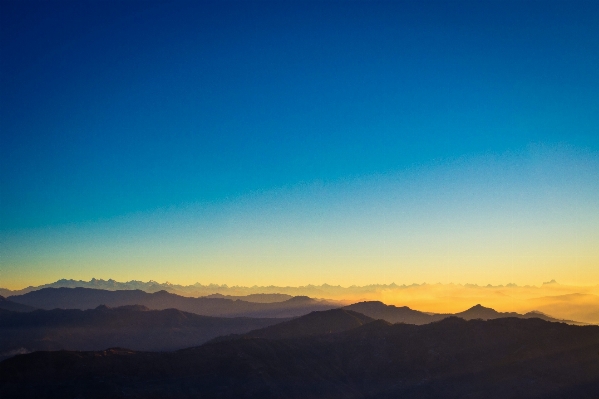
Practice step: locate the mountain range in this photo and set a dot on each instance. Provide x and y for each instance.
(579, 303)
(260, 298)
(452, 358)
(135, 327)
(139, 328)
(403, 314)
(87, 298)
(198, 289)
(263, 306)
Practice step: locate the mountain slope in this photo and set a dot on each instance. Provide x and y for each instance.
(403, 314)
(87, 298)
(6, 304)
(502, 358)
(315, 323)
(483, 313)
(135, 327)
(393, 314)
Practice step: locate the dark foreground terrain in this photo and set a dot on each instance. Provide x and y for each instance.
(452, 358)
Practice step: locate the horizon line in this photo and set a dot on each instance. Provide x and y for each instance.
(215, 285)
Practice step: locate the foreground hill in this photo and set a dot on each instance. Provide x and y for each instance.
(6, 304)
(135, 327)
(87, 298)
(403, 314)
(453, 358)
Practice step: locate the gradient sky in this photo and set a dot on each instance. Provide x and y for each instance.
(299, 142)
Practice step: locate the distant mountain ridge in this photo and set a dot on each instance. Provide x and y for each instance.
(197, 289)
(483, 313)
(259, 298)
(87, 298)
(403, 314)
(110, 284)
(561, 301)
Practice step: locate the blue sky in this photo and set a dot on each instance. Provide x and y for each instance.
(114, 109)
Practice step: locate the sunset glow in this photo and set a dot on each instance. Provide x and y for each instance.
(397, 142)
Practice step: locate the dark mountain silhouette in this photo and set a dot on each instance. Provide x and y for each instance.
(133, 326)
(260, 298)
(6, 304)
(394, 314)
(452, 358)
(315, 323)
(403, 314)
(87, 298)
(483, 313)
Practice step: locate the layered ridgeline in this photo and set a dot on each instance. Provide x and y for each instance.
(135, 327)
(139, 328)
(501, 358)
(262, 293)
(316, 323)
(579, 303)
(87, 298)
(6, 304)
(403, 314)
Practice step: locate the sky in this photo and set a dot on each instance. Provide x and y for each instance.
(295, 143)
